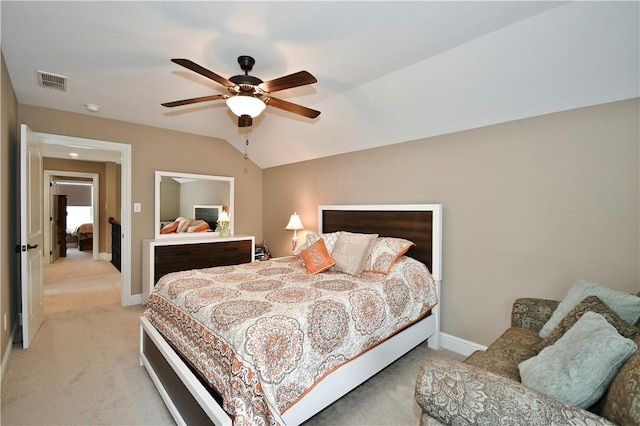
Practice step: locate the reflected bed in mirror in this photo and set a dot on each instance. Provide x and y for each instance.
(188, 205)
(209, 214)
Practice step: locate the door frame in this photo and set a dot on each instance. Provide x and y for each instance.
(95, 197)
(126, 298)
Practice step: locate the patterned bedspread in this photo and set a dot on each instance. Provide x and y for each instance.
(264, 333)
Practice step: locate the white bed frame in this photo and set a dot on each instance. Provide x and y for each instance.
(338, 383)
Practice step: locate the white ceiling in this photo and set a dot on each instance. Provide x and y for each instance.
(388, 72)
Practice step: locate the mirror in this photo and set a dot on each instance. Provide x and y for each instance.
(191, 196)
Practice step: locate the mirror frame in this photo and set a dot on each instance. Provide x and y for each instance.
(158, 177)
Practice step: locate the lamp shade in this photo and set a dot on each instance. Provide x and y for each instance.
(295, 224)
(224, 217)
(246, 105)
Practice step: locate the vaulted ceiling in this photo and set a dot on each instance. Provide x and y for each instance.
(387, 71)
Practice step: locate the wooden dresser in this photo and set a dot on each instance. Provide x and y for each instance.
(116, 242)
(161, 256)
(60, 220)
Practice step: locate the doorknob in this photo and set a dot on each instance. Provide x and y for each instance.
(25, 248)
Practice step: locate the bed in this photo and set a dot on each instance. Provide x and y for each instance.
(182, 372)
(84, 233)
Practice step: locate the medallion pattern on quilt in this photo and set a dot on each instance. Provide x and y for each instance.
(196, 299)
(335, 285)
(367, 310)
(294, 295)
(328, 325)
(275, 343)
(260, 285)
(226, 315)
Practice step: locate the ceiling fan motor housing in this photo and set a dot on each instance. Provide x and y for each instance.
(246, 63)
(245, 79)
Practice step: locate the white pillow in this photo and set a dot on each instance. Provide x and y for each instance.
(581, 365)
(626, 305)
(329, 241)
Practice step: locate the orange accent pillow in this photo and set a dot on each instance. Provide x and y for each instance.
(316, 258)
(198, 225)
(168, 229)
(201, 228)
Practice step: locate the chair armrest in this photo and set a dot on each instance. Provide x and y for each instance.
(452, 392)
(532, 313)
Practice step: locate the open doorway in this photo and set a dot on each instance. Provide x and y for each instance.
(72, 209)
(75, 262)
(57, 146)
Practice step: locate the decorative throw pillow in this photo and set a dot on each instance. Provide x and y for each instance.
(622, 405)
(590, 304)
(579, 367)
(351, 252)
(198, 225)
(626, 305)
(183, 224)
(329, 241)
(385, 252)
(316, 258)
(170, 228)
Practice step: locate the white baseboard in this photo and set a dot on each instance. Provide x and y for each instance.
(6, 357)
(134, 299)
(458, 345)
(104, 256)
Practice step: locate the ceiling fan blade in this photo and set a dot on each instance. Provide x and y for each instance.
(294, 108)
(203, 71)
(300, 78)
(245, 121)
(194, 100)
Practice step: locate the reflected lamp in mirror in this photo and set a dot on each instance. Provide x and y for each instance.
(295, 224)
(224, 222)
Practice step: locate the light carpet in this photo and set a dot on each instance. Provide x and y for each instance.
(83, 366)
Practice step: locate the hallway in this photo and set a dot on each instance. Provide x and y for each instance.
(79, 272)
(82, 367)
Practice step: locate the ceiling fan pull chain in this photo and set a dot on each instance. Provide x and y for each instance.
(246, 147)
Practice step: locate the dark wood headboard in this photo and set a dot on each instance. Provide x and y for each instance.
(418, 223)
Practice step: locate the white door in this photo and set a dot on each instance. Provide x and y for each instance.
(31, 234)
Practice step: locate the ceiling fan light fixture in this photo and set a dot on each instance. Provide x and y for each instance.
(246, 105)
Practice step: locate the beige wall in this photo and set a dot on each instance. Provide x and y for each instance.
(8, 199)
(529, 206)
(158, 149)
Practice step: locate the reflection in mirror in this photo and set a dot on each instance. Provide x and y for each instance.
(188, 205)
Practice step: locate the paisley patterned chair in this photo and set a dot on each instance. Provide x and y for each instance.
(485, 389)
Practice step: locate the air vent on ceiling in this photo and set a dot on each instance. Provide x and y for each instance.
(52, 81)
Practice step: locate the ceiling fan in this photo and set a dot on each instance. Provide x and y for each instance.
(248, 95)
